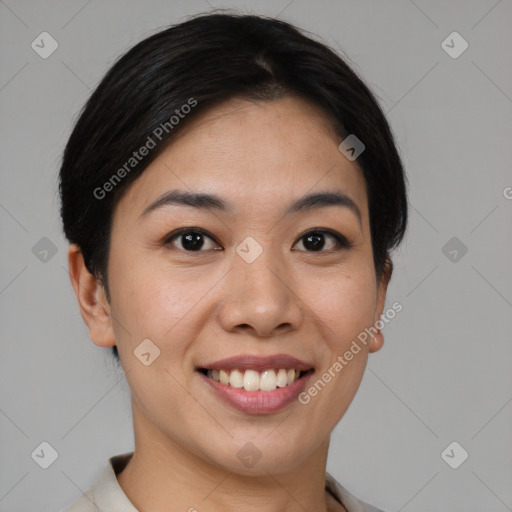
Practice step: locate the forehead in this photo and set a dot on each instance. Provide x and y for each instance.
(256, 155)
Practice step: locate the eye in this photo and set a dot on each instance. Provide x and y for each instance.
(315, 240)
(191, 240)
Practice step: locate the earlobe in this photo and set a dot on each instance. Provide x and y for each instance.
(378, 340)
(92, 301)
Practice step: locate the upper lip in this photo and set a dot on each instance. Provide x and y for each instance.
(258, 363)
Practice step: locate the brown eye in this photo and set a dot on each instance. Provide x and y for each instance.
(191, 240)
(317, 240)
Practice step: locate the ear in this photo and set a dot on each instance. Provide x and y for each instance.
(94, 306)
(382, 286)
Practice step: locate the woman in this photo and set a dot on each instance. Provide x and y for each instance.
(231, 193)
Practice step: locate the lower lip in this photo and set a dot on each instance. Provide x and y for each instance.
(258, 402)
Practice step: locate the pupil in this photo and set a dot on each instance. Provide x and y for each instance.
(316, 242)
(192, 241)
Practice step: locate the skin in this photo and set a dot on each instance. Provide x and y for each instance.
(198, 307)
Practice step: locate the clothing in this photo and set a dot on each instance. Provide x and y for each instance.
(106, 495)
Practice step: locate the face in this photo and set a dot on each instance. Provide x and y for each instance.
(244, 275)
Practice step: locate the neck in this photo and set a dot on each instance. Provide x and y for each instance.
(163, 475)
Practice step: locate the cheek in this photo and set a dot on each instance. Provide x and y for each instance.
(343, 307)
(345, 303)
(157, 301)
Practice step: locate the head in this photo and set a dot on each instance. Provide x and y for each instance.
(241, 118)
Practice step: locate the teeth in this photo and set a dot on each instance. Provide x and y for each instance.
(268, 380)
(236, 379)
(224, 377)
(251, 380)
(282, 378)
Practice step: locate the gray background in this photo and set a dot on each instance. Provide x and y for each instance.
(444, 372)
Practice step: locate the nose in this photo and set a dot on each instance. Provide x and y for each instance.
(260, 298)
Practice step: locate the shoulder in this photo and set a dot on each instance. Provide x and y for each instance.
(349, 501)
(105, 494)
(82, 504)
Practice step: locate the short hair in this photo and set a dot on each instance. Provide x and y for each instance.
(203, 62)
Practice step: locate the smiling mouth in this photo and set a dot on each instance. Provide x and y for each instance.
(252, 380)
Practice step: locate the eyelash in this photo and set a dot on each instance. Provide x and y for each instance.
(341, 242)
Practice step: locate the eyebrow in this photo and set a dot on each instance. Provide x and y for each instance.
(213, 202)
